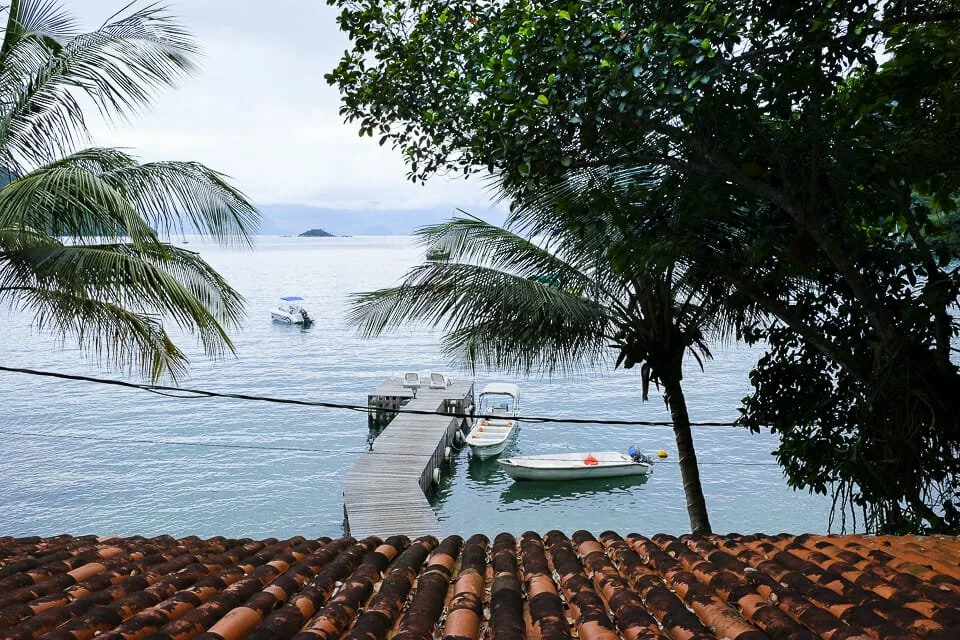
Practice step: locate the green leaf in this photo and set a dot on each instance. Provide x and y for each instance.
(542, 99)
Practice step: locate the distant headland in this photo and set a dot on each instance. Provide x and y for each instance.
(316, 233)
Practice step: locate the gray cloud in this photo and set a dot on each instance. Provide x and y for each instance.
(261, 112)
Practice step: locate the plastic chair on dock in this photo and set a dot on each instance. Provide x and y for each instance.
(411, 381)
(439, 381)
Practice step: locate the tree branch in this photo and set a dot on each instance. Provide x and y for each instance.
(828, 244)
(745, 286)
(921, 18)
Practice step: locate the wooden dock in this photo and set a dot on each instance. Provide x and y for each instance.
(384, 493)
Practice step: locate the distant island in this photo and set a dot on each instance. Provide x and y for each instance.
(291, 219)
(316, 233)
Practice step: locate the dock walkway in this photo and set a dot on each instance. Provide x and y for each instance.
(384, 493)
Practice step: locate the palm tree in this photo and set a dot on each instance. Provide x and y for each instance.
(80, 228)
(561, 292)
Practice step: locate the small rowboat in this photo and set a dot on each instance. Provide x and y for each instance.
(500, 404)
(574, 466)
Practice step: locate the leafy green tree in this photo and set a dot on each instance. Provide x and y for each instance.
(79, 228)
(799, 156)
(557, 294)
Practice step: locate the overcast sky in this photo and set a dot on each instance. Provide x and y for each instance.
(261, 111)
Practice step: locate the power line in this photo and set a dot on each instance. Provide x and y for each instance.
(737, 463)
(176, 392)
(176, 443)
(225, 445)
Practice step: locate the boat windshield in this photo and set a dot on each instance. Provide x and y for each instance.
(496, 404)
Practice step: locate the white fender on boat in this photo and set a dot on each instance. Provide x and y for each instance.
(458, 437)
(436, 476)
(446, 453)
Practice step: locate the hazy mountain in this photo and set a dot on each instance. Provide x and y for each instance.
(294, 219)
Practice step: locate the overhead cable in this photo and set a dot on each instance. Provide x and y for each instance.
(177, 392)
(225, 445)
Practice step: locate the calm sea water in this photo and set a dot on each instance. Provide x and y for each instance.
(83, 458)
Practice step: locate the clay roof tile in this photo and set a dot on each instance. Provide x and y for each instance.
(555, 587)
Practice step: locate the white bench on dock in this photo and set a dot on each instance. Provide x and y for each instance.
(384, 493)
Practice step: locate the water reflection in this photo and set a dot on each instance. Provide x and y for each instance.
(449, 471)
(536, 492)
(292, 328)
(485, 471)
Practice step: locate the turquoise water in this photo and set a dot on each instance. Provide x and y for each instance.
(83, 458)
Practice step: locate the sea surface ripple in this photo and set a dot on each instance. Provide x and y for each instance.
(80, 458)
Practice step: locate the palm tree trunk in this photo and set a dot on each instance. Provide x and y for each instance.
(689, 471)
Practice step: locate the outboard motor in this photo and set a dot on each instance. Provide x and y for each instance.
(637, 455)
(303, 314)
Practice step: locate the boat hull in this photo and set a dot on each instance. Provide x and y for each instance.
(488, 451)
(490, 441)
(493, 433)
(286, 319)
(606, 464)
(290, 311)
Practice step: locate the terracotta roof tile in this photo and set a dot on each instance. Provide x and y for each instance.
(533, 587)
(465, 611)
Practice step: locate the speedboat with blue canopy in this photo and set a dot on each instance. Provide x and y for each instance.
(290, 310)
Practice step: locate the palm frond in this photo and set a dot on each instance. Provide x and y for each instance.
(43, 20)
(621, 285)
(491, 317)
(138, 287)
(576, 267)
(69, 198)
(107, 331)
(473, 240)
(78, 229)
(44, 17)
(118, 67)
(187, 197)
(107, 193)
(169, 282)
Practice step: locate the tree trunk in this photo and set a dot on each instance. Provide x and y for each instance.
(689, 471)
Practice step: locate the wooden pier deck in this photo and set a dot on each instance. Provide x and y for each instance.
(384, 493)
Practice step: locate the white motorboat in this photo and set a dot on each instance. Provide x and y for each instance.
(499, 404)
(290, 310)
(574, 466)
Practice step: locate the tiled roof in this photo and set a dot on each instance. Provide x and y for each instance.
(554, 587)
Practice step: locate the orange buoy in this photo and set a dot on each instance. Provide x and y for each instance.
(590, 460)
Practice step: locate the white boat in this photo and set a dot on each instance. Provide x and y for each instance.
(290, 310)
(574, 466)
(500, 404)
